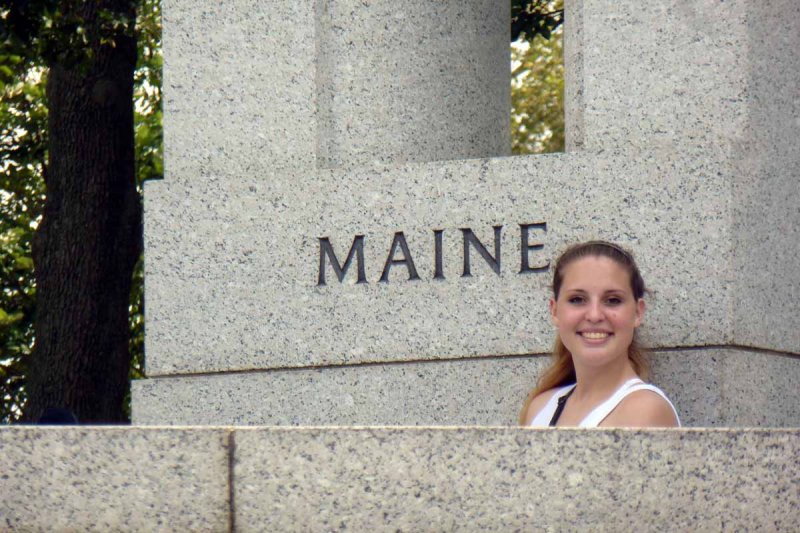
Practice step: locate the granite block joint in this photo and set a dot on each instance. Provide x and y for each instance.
(380, 478)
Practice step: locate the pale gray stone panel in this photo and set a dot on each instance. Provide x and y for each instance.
(232, 264)
(766, 192)
(232, 236)
(288, 82)
(113, 479)
(709, 387)
(474, 392)
(761, 389)
(664, 75)
(574, 105)
(730, 387)
(707, 79)
(412, 81)
(693, 380)
(491, 479)
(239, 82)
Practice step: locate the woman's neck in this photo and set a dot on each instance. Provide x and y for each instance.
(597, 384)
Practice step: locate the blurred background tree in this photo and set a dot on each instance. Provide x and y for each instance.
(23, 130)
(537, 78)
(35, 34)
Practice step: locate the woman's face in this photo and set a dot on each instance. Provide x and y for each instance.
(596, 312)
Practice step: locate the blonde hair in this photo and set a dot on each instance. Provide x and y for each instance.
(562, 370)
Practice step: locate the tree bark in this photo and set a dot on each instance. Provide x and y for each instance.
(90, 236)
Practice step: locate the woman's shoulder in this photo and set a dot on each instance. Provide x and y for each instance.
(645, 407)
(539, 402)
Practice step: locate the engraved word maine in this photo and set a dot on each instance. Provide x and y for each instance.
(400, 255)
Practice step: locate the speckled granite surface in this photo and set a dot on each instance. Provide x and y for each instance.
(665, 75)
(718, 80)
(692, 163)
(731, 387)
(239, 82)
(398, 479)
(767, 188)
(411, 81)
(473, 392)
(709, 387)
(232, 269)
(113, 479)
(306, 84)
(472, 479)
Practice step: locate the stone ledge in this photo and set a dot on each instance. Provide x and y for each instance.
(709, 386)
(113, 479)
(388, 479)
(494, 479)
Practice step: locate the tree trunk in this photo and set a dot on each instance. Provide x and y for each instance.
(90, 236)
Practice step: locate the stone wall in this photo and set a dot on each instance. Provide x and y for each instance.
(715, 387)
(398, 479)
(284, 137)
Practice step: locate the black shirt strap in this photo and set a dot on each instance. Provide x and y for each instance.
(561, 403)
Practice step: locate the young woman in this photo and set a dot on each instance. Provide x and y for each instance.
(596, 378)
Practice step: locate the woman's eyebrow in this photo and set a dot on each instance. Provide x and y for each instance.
(616, 292)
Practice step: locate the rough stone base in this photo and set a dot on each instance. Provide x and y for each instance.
(398, 479)
(516, 480)
(113, 479)
(711, 387)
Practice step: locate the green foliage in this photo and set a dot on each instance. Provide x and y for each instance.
(30, 34)
(530, 18)
(21, 28)
(537, 90)
(149, 150)
(23, 141)
(147, 93)
(49, 31)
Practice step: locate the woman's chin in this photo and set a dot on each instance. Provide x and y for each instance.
(597, 354)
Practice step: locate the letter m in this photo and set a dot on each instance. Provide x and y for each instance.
(326, 251)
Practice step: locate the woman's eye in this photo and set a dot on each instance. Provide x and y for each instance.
(575, 299)
(614, 301)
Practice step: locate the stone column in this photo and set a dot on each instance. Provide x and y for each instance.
(412, 81)
(327, 83)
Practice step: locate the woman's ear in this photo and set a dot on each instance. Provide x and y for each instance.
(640, 307)
(553, 308)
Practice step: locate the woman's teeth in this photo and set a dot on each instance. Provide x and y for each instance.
(594, 334)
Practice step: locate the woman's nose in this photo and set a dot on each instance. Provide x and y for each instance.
(594, 312)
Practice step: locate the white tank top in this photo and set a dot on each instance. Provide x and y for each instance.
(599, 413)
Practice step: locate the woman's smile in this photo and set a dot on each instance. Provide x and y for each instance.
(595, 335)
(596, 312)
